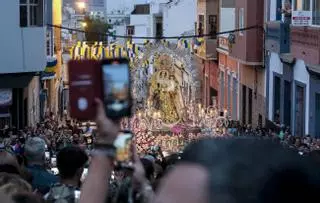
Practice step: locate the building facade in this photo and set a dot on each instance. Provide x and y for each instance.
(179, 17)
(206, 54)
(162, 18)
(293, 59)
(22, 59)
(242, 74)
(229, 78)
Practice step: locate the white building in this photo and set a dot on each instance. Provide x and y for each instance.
(22, 57)
(141, 22)
(162, 18)
(179, 17)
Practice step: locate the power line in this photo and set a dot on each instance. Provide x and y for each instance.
(144, 37)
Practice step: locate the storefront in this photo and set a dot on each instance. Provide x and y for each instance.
(23, 108)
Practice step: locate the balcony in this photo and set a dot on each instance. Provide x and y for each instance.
(207, 50)
(278, 37)
(305, 44)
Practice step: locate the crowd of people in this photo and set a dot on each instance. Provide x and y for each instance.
(281, 134)
(64, 162)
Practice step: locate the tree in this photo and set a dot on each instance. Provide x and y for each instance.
(96, 29)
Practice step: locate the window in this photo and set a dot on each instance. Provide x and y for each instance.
(213, 26)
(31, 13)
(200, 26)
(276, 99)
(49, 42)
(316, 12)
(301, 5)
(130, 30)
(241, 20)
(313, 6)
(222, 90)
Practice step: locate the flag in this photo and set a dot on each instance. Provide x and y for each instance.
(51, 66)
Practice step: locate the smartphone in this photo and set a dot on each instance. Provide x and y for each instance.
(124, 156)
(116, 88)
(77, 194)
(84, 174)
(54, 161)
(84, 87)
(47, 155)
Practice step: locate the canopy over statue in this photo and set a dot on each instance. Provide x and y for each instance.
(165, 92)
(164, 84)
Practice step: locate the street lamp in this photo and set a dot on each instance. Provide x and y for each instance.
(84, 24)
(82, 6)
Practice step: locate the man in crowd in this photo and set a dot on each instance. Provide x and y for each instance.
(70, 163)
(35, 154)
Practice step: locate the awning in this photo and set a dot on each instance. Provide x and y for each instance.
(19, 80)
(313, 69)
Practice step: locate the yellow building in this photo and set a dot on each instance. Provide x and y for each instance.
(51, 79)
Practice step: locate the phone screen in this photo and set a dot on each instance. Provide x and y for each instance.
(47, 155)
(53, 161)
(116, 81)
(84, 174)
(123, 143)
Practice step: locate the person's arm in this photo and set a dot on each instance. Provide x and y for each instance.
(96, 184)
(139, 176)
(95, 187)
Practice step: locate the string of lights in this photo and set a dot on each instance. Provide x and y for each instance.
(163, 37)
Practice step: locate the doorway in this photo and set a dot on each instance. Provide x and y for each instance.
(244, 104)
(235, 99)
(317, 115)
(299, 128)
(287, 103)
(213, 96)
(250, 107)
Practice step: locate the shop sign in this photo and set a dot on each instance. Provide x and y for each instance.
(301, 18)
(223, 43)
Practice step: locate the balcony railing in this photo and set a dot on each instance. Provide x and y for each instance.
(278, 37)
(305, 44)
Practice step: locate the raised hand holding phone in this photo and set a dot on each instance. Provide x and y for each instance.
(116, 88)
(108, 80)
